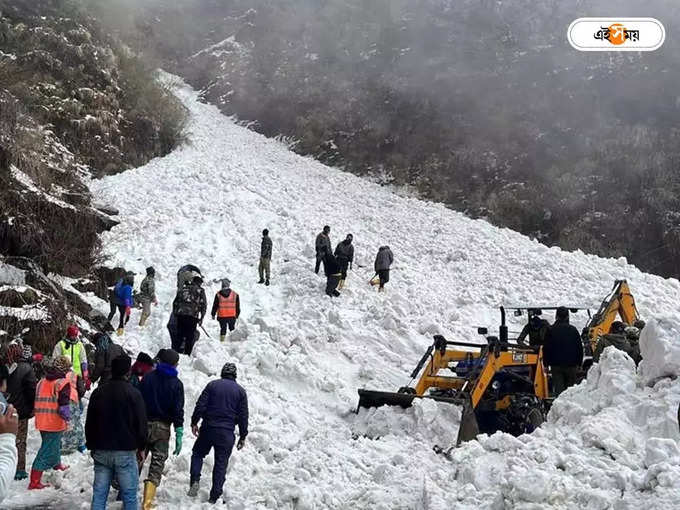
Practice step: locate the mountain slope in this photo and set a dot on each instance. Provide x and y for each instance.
(302, 356)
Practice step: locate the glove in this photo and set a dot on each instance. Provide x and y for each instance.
(241, 443)
(179, 432)
(65, 412)
(86, 379)
(128, 310)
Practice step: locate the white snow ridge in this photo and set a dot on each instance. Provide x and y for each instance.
(609, 443)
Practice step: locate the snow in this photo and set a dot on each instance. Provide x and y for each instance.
(609, 442)
(28, 183)
(25, 313)
(10, 275)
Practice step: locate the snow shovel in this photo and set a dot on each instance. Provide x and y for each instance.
(204, 331)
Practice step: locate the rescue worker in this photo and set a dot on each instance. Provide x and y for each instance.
(265, 257)
(223, 404)
(624, 338)
(563, 352)
(147, 295)
(105, 352)
(344, 253)
(163, 394)
(536, 329)
(383, 261)
(116, 429)
(186, 274)
(323, 247)
(227, 307)
(142, 366)
(74, 437)
(21, 394)
(74, 350)
(121, 300)
(189, 307)
(52, 414)
(333, 274)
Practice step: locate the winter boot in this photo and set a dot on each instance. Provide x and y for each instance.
(60, 467)
(336, 293)
(35, 480)
(149, 495)
(261, 280)
(381, 289)
(21, 475)
(267, 282)
(222, 338)
(142, 320)
(193, 489)
(119, 331)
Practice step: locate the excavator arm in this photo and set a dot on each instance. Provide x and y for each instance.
(619, 302)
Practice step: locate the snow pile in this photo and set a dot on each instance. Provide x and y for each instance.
(609, 443)
(660, 348)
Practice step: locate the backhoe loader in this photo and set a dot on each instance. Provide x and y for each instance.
(500, 386)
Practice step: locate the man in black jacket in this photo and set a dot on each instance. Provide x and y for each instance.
(223, 404)
(115, 430)
(163, 394)
(21, 394)
(105, 352)
(333, 273)
(563, 351)
(344, 253)
(265, 257)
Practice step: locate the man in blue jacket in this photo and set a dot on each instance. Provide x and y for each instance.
(222, 405)
(163, 394)
(120, 299)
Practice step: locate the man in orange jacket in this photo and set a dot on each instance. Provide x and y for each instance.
(227, 308)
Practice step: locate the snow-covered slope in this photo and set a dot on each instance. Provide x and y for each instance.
(302, 356)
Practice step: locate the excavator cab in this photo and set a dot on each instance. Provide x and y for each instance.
(500, 386)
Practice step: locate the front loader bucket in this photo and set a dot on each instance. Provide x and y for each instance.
(468, 428)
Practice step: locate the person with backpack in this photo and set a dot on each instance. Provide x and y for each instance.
(105, 352)
(344, 253)
(52, 414)
(265, 257)
(142, 366)
(223, 404)
(163, 394)
(121, 299)
(74, 350)
(116, 428)
(21, 385)
(189, 307)
(147, 295)
(227, 307)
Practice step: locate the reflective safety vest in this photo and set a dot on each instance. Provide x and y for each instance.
(226, 306)
(47, 417)
(72, 352)
(72, 378)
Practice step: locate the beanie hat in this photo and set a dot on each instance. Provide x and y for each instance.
(150, 271)
(168, 356)
(120, 366)
(226, 284)
(62, 363)
(229, 371)
(265, 232)
(143, 357)
(72, 331)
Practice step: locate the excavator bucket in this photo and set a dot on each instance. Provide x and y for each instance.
(468, 428)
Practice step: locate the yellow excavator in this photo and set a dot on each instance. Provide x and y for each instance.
(500, 386)
(619, 303)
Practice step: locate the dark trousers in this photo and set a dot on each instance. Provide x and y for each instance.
(344, 265)
(121, 310)
(224, 322)
(319, 259)
(332, 282)
(384, 275)
(563, 378)
(186, 331)
(222, 441)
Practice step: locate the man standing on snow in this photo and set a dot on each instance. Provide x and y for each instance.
(333, 274)
(383, 261)
(563, 351)
(323, 247)
(227, 308)
(163, 395)
(147, 294)
(265, 257)
(74, 350)
(121, 299)
(222, 405)
(116, 430)
(105, 352)
(344, 252)
(189, 307)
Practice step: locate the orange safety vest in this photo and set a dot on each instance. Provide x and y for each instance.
(47, 417)
(226, 306)
(73, 380)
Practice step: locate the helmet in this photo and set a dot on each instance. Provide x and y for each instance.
(72, 331)
(229, 371)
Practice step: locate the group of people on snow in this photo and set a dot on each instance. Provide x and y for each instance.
(130, 417)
